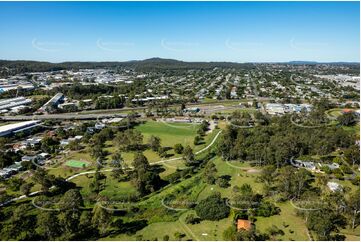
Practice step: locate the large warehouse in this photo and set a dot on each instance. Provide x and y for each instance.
(13, 102)
(18, 127)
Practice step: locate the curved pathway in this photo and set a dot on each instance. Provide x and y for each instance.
(107, 170)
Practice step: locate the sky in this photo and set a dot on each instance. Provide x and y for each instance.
(188, 31)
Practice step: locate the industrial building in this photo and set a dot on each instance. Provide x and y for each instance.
(53, 102)
(14, 102)
(278, 108)
(7, 86)
(275, 108)
(10, 129)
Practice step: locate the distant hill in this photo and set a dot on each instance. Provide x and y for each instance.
(157, 63)
(142, 65)
(302, 62)
(315, 63)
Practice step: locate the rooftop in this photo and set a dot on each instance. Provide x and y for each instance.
(10, 127)
(243, 224)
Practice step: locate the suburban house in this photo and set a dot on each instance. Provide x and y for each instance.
(65, 142)
(334, 186)
(303, 164)
(244, 224)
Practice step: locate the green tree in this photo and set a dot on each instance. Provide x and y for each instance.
(197, 140)
(116, 163)
(353, 208)
(209, 173)
(101, 219)
(352, 154)
(70, 205)
(178, 148)
(20, 226)
(347, 119)
(49, 144)
(47, 225)
(154, 143)
(26, 187)
(324, 222)
(41, 177)
(188, 156)
(74, 145)
(213, 207)
(146, 179)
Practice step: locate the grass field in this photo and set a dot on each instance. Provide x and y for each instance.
(239, 173)
(351, 234)
(169, 133)
(293, 226)
(77, 163)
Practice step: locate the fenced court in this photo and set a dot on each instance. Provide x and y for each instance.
(77, 163)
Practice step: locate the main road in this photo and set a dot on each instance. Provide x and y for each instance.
(63, 116)
(122, 112)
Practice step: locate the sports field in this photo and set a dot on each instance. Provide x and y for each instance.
(169, 133)
(76, 163)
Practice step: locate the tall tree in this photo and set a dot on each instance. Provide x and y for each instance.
(209, 173)
(188, 156)
(154, 143)
(48, 225)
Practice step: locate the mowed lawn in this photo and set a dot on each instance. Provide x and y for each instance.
(112, 189)
(154, 231)
(240, 173)
(169, 133)
(206, 229)
(293, 226)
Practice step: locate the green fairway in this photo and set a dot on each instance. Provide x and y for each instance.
(77, 163)
(169, 133)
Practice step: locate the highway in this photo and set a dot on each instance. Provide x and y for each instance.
(208, 108)
(63, 116)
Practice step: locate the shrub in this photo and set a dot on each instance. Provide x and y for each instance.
(212, 208)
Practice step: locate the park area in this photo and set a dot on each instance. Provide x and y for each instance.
(77, 163)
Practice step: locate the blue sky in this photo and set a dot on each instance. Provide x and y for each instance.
(190, 31)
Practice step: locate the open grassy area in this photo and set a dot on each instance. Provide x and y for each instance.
(352, 234)
(240, 173)
(355, 129)
(207, 230)
(230, 111)
(77, 163)
(169, 133)
(293, 226)
(335, 112)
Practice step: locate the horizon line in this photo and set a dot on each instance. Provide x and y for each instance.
(209, 61)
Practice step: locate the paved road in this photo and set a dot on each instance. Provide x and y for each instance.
(64, 116)
(107, 170)
(101, 113)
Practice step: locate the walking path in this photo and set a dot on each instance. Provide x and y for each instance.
(107, 170)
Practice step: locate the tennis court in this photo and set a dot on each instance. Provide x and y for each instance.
(77, 163)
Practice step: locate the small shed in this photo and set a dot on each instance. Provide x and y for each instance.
(243, 224)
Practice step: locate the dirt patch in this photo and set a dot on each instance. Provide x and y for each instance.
(253, 171)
